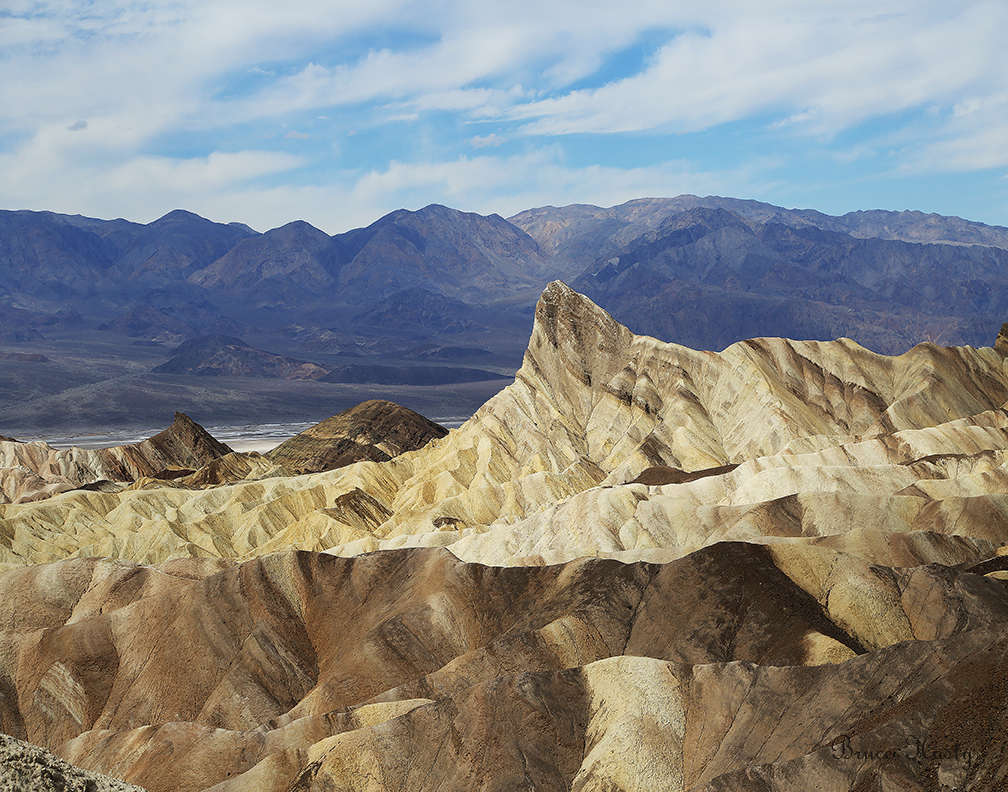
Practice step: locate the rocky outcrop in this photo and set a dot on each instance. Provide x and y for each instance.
(909, 448)
(639, 566)
(27, 768)
(414, 670)
(1001, 342)
(375, 430)
(35, 471)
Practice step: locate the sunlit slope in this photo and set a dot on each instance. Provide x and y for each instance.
(414, 670)
(896, 458)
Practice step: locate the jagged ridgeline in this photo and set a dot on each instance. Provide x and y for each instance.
(639, 566)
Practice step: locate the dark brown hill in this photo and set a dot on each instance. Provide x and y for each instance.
(184, 444)
(377, 430)
(466, 256)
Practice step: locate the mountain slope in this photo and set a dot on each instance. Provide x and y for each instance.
(819, 430)
(412, 669)
(33, 471)
(638, 566)
(377, 430)
(704, 272)
(469, 257)
(172, 247)
(706, 264)
(218, 355)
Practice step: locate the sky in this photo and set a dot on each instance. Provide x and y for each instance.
(339, 112)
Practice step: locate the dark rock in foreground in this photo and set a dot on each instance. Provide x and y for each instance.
(27, 768)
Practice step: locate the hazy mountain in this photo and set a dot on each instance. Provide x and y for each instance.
(571, 231)
(224, 356)
(286, 263)
(172, 247)
(708, 277)
(463, 255)
(702, 271)
(419, 308)
(44, 261)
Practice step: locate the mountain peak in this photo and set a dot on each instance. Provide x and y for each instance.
(180, 215)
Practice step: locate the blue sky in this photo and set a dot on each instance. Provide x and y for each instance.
(338, 112)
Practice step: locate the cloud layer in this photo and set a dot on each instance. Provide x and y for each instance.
(340, 112)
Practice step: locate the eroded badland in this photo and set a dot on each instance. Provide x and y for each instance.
(639, 566)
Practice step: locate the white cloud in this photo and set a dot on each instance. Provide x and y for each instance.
(972, 138)
(824, 70)
(140, 188)
(483, 141)
(148, 74)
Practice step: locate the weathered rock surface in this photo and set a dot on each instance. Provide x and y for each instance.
(28, 768)
(780, 566)
(34, 471)
(827, 437)
(414, 670)
(375, 430)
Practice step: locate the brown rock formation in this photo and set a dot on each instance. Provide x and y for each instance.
(780, 566)
(374, 430)
(896, 459)
(35, 471)
(27, 768)
(1001, 342)
(300, 666)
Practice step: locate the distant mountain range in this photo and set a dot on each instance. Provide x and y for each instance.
(705, 272)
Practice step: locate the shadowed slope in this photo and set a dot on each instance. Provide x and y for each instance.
(30, 471)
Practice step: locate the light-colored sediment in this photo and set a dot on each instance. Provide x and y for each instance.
(827, 436)
(819, 605)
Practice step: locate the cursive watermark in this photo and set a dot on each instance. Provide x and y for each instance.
(953, 764)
